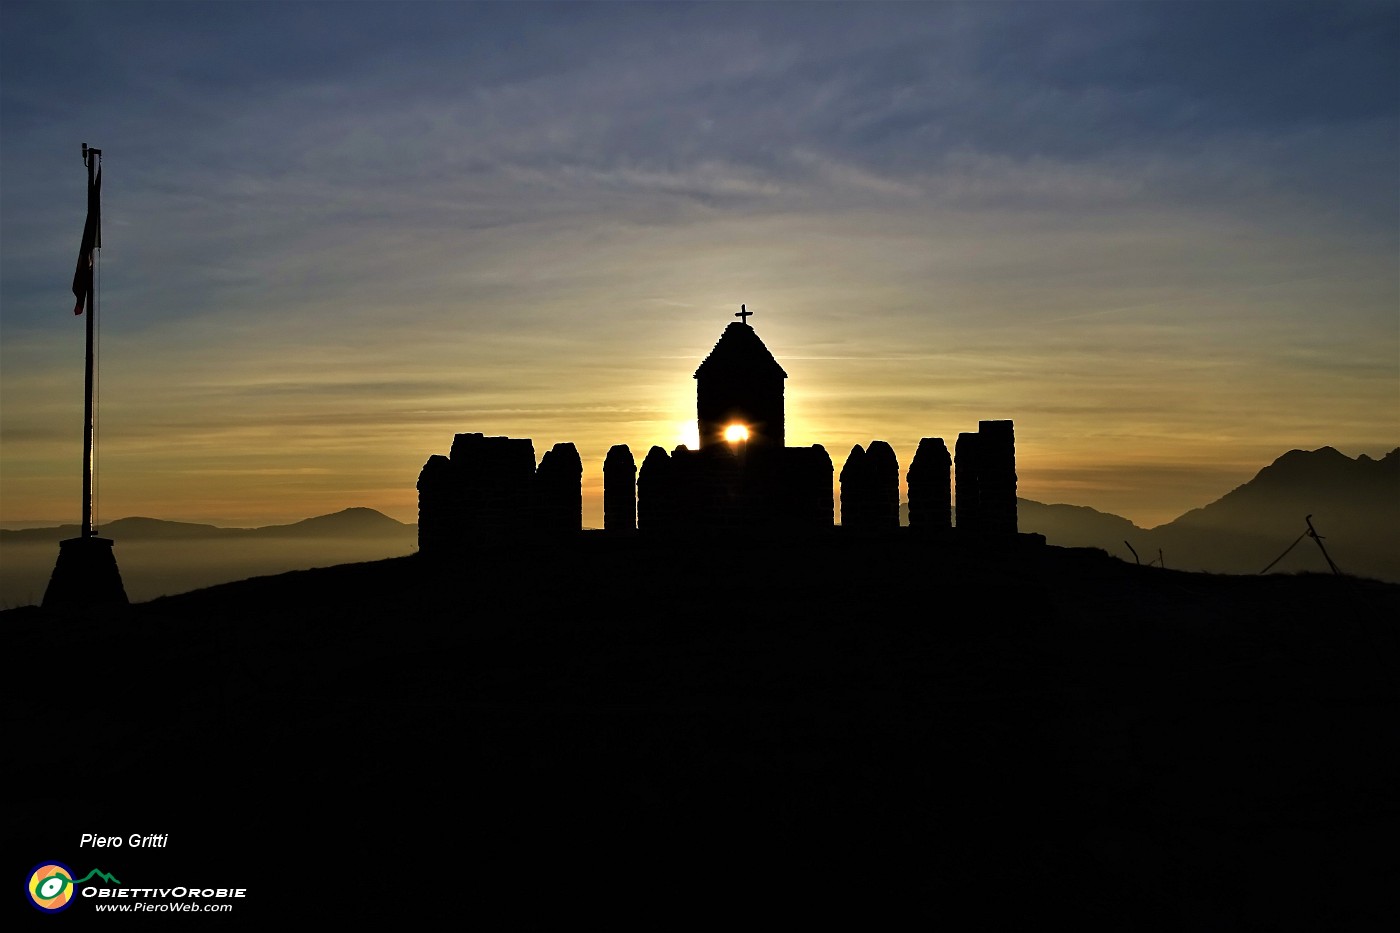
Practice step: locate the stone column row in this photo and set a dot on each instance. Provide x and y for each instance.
(489, 487)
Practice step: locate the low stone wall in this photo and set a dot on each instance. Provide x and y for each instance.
(489, 487)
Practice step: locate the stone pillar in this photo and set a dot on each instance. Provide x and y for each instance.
(438, 518)
(883, 472)
(494, 481)
(996, 476)
(801, 490)
(654, 493)
(818, 509)
(558, 493)
(855, 491)
(966, 470)
(930, 487)
(619, 490)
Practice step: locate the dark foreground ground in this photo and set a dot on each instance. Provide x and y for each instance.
(646, 736)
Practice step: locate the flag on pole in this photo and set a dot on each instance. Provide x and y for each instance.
(92, 239)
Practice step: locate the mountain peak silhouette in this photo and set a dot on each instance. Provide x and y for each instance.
(1325, 474)
(1354, 503)
(352, 521)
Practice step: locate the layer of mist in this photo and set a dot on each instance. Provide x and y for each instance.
(1354, 504)
(159, 558)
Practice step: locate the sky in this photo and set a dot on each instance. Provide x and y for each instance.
(1163, 239)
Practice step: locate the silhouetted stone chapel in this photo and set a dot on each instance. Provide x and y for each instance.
(743, 479)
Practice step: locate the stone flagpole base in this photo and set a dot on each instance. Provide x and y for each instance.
(86, 578)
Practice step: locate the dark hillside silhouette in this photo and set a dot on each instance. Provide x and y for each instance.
(675, 736)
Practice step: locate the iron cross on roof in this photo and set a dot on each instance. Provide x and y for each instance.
(743, 315)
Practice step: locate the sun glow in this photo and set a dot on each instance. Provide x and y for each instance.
(689, 433)
(736, 433)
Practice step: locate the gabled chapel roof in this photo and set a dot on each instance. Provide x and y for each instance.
(740, 351)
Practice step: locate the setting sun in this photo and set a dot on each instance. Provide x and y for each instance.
(736, 433)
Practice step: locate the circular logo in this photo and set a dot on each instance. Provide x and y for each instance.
(51, 887)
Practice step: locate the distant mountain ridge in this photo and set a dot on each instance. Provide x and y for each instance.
(1354, 504)
(158, 558)
(1075, 525)
(347, 523)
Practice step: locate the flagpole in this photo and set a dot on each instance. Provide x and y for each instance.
(86, 583)
(90, 157)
